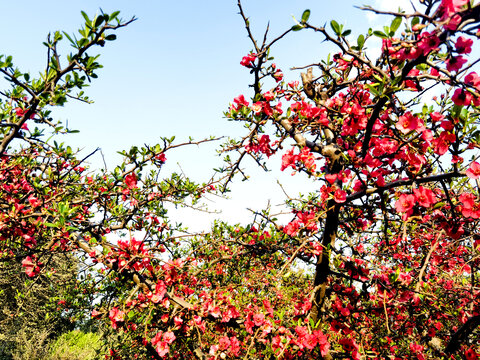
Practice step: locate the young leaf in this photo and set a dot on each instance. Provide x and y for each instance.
(113, 15)
(395, 24)
(415, 21)
(85, 16)
(306, 15)
(360, 41)
(335, 27)
(380, 34)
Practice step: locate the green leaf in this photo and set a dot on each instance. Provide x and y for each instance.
(335, 27)
(395, 24)
(98, 21)
(360, 41)
(372, 88)
(415, 21)
(85, 16)
(346, 32)
(110, 37)
(306, 15)
(113, 15)
(68, 37)
(297, 27)
(380, 34)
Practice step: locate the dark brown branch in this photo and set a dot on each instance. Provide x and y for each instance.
(462, 334)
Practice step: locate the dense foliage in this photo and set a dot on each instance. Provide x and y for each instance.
(382, 261)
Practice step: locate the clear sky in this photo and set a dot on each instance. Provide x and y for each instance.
(174, 71)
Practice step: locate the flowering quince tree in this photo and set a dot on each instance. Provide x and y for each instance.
(382, 261)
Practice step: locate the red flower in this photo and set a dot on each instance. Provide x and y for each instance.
(464, 45)
(30, 265)
(455, 63)
(116, 316)
(269, 96)
(161, 157)
(21, 112)
(248, 60)
(289, 159)
(292, 228)
(278, 75)
(462, 97)
(436, 116)
(240, 102)
(157, 338)
(449, 7)
(428, 42)
(442, 143)
(131, 181)
(340, 196)
(473, 79)
(471, 354)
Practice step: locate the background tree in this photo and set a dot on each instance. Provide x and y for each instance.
(33, 307)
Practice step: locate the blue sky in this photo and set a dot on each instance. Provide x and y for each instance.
(173, 71)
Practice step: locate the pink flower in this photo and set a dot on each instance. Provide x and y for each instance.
(425, 197)
(307, 158)
(224, 343)
(331, 178)
(322, 341)
(442, 143)
(259, 319)
(469, 205)
(169, 337)
(405, 203)
(162, 348)
(473, 171)
(464, 45)
(157, 338)
(416, 347)
(407, 123)
(453, 22)
(278, 75)
(455, 63)
(34, 201)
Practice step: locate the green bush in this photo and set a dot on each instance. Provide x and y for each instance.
(76, 345)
